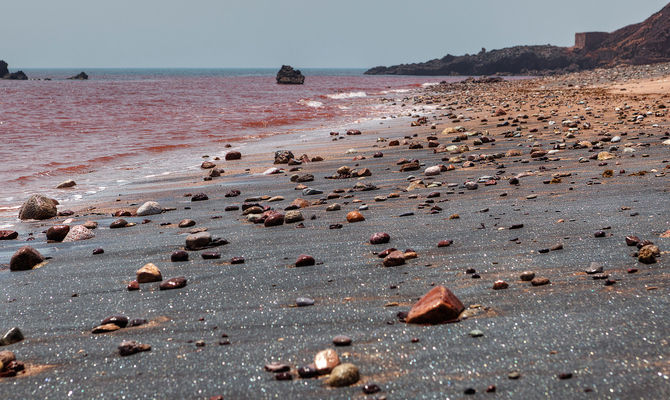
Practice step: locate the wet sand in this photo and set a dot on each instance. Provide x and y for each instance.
(613, 339)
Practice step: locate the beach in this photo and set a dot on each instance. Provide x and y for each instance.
(547, 175)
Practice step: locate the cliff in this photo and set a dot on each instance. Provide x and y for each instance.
(643, 43)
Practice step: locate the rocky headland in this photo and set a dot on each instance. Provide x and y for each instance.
(643, 43)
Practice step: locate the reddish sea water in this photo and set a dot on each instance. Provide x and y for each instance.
(125, 124)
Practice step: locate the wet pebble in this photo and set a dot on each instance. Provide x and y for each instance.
(277, 367)
(130, 347)
(343, 375)
(199, 197)
(540, 281)
(173, 283)
(304, 302)
(119, 223)
(342, 340)
(120, 320)
(304, 260)
(237, 260)
(149, 273)
(445, 243)
(98, 251)
(380, 238)
(186, 223)
(371, 388)
(355, 216)
(307, 372)
(527, 276)
(500, 284)
(179, 256)
(211, 255)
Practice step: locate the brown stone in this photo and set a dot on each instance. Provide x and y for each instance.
(130, 347)
(8, 235)
(343, 375)
(540, 281)
(394, 259)
(274, 219)
(355, 216)
(105, 328)
(149, 273)
(304, 260)
(58, 232)
(233, 155)
(648, 254)
(38, 207)
(300, 203)
(207, 165)
(498, 285)
(173, 283)
(25, 258)
(436, 306)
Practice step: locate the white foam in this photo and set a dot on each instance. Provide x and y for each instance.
(428, 84)
(346, 95)
(310, 103)
(5, 226)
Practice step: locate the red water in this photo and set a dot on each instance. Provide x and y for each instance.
(59, 129)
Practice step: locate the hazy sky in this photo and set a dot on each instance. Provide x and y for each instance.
(303, 33)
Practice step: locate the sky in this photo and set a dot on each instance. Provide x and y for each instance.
(302, 33)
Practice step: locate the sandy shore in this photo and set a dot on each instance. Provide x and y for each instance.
(611, 333)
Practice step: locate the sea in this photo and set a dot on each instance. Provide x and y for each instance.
(123, 125)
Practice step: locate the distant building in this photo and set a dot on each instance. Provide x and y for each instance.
(590, 40)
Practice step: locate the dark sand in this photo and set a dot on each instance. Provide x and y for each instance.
(613, 339)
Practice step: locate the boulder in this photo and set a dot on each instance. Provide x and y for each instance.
(38, 207)
(82, 76)
(436, 306)
(288, 75)
(149, 208)
(25, 258)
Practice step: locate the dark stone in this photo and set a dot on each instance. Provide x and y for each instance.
(380, 238)
(371, 388)
(237, 260)
(186, 223)
(13, 335)
(8, 235)
(288, 75)
(283, 156)
(211, 255)
(284, 376)
(82, 76)
(304, 261)
(173, 283)
(233, 193)
(25, 259)
(277, 367)
(133, 285)
(307, 372)
(119, 320)
(130, 347)
(136, 322)
(119, 223)
(304, 302)
(599, 234)
(342, 340)
(274, 219)
(445, 243)
(199, 197)
(58, 232)
(178, 256)
(98, 251)
(233, 155)
(632, 240)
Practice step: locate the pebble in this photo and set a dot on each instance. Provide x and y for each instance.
(284, 376)
(594, 268)
(105, 328)
(304, 302)
(120, 320)
(307, 371)
(326, 360)
(198, 240)
(119, 223)
(186, 223)
(14, 335)
(304, 260)
(371, 388)
(527, 276)
(277, 367)
(173, 283)
(237, 260)
(8, 235)
(498, 285)
(343, 375)
(133, 285)
(274, 219)
(178, 256)
(394, 259)
(380, 238)
(149, 273)
(445, 243)
(80, 232)
(334, 207)
(58, 232)
(293, 216)
(211, 255)
(199, 197)
(149, 208)
(130, 347)
(514, 375)
(540, 281)
(436, 306)
(311, 191)
(647, 254)
(355, 216)
(476, 333)
(98, 251)
(342, 340)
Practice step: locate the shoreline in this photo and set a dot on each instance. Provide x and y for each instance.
(576, 337)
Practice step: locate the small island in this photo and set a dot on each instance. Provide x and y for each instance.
(288, 75)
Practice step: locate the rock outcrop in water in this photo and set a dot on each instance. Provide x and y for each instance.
(5, 74)
(644, 43)
(288, 75)
(82, 76)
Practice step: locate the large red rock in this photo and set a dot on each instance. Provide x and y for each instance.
(38, 207)
(436, 306)
(25, 258)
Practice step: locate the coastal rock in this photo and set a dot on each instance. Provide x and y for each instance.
(436, 306)
(186, 223)
(198, 240)
(394, 259)
(343, 375)
(38, 207)
(82, 76)
(106, 328)
(25, 258)
(66, 184)
(293, 216)
(8, 235)
(288, 75)
(6, 357)
(149, 208)
(149, 273)
(3, 69)
(233, 155)
(648, 254)
(58, 232)
(78, 232)
(274, 219)
(130, 347)
(300, 203)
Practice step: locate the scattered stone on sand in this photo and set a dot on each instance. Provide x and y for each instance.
(77, 233)
(57, 233)
(371, 388)
(149, 208)
(355, 216)
(14, 335)
(304, 302)
(648, 253)
(173, 283)
(233, 155)
(445, 243)
(293, 216)
(132, 286)
(8, 235)
(25, 258)
(476, 333)
(38, 207)
(326, 360)
(179, 256)
(432, 171)
(500, 284)
(149, 273)
(106, 328)
(186, 223)
(283, 156)
(90, 225)
(274, 219)
(237, 260)
(119, 223)
(394, 259)
(527, 276)
(277, 367)
(199, 197)
(130, 347)
(304, 260)
(436, 306)
(207, 165)
(66, 184)
(539, 281)
(342, 340)
(210, 255)
(198, 240)
(380, 238)
(343, 375)
(120, 320)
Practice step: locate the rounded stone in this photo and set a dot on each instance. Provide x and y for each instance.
(58, 232)
(149, 208)
(198, 240)
(343, 375)
(527, 276)
(540, 281)
(355, 216)
(120, 320)
(178, 256)
(173, 283)
(305, 260)
(380, 238)
(25, 258)
(342, 340)
(304, 302)
(186, 223)
(38, 207)
(498, 285)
